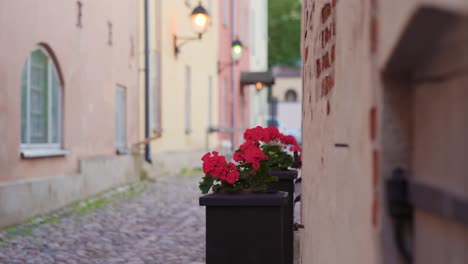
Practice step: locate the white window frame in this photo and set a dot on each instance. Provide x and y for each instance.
(234, 13)
(225, 12)
(210, 101)
(224, 105)
(155, 82)
(252, 32)
(188, 100)
(122, 147)
(34, 150)
(209, 5)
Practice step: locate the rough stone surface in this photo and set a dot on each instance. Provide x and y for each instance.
(161, 225)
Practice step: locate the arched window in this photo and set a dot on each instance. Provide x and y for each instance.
(40, 102)
(290, 96)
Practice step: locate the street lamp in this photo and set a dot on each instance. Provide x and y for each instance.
(237, 49)
(236, 53)
(259, 86)
(200, 20)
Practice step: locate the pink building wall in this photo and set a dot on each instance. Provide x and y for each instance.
(90, 68)
(241, 100)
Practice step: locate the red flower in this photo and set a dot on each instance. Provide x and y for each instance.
(250, 152)
(216, 166)
(288, 140)
(256, 134)
(295, 148)
(273, 133)
(230, 175)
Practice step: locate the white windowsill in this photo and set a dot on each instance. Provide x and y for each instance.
(43, 153)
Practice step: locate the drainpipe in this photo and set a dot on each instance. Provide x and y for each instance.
(233, 83)
(147, 93)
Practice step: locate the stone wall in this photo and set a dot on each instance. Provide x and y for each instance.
(338, 203)
(383, 86)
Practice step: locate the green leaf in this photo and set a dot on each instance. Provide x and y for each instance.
(206, 184)
(271, 178)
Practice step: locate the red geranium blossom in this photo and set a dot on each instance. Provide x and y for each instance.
(250, 152)
(273, 133)
(256, 134)
(295, 148)
(288, 140)
(216, 166)
(230, 175)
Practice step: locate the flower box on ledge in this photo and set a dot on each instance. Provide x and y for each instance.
(285, 183)
(245, 228)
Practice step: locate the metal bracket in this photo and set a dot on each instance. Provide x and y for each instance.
(403, 195)
(297, 163)
(400, 210)
(438, 202)
(222, 66)
(185, 40)
(298, 226)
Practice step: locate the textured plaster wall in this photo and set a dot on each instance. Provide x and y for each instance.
(90, 68)
(201, 57)
(21, 200)
(338, 205)
(283, 84)
(241, 103)
(380, 121)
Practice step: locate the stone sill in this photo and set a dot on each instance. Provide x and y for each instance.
(43, 153)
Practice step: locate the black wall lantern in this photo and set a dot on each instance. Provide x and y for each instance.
(236, 53)
(200, 20)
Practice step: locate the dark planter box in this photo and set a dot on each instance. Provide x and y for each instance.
(244, 228)
(285, 183)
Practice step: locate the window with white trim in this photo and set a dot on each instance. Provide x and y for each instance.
(210, 10)
(252, 32)
(155, 87)
(224, 105)
(41, 99)
(121, 119)
(234, 18)
(188, 100)
(225, 12)
(290, 96)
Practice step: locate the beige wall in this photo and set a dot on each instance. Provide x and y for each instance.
(201, 57)
(283, 84)
(90, 69)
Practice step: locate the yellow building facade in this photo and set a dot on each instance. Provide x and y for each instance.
(183, 87)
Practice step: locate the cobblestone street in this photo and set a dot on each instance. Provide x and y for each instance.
(162, 224)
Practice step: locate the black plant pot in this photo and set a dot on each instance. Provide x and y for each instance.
(285, 183)
(244, 228)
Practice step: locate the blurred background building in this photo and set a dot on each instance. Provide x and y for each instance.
(69, 102)
(183, 85)
(287, 99)
(92, 90)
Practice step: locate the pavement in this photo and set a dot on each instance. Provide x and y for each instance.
(161, 224)
(157, 222)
